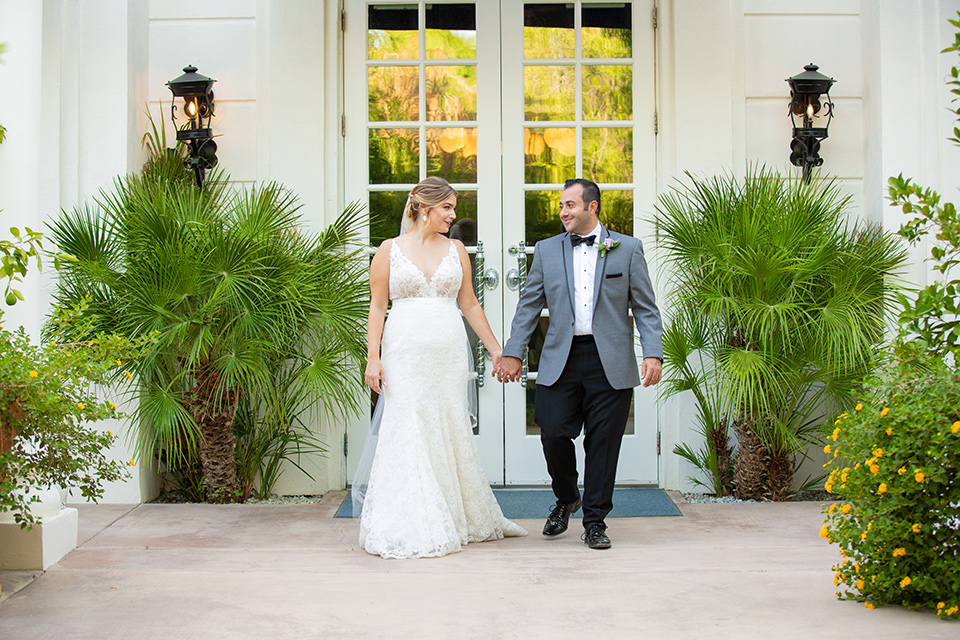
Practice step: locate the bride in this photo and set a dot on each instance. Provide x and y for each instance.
(427, 494)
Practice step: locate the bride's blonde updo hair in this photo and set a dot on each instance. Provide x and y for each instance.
(430, 192)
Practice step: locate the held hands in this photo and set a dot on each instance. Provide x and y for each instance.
(373, 374)
(508, 369)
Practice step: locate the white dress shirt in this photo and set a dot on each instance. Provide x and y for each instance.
(584, 270)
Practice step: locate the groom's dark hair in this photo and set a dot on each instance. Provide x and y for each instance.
(591, 192)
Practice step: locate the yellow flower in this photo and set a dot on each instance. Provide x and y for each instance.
(955, 427)
(918, 476)
(901, 471)
(112, 406)
(859, 406)
(875, 468)
(905, 582)
(118, 363)
(882, 488)
(868, 605)
(870, 525)
(860, 584)
(129, 376)
(845, 509)
(941, 605)
(899, 551)
(824, 531)
(132, 463)
(836, 434)
(836, 580)
(878, 452)
(826, 449)
(889, 431)
(863, 536)
(884, 412)
(916, 528)
(110, 432)
(952, 610)
(832, 508)
(80, 406)
(33, 374)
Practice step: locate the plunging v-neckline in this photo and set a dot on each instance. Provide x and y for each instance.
(422, 273)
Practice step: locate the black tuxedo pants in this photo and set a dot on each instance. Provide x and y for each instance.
(582, 398)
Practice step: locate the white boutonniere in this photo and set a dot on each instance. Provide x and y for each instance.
(607, 245)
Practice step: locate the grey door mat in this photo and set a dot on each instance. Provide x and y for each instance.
(520, 504)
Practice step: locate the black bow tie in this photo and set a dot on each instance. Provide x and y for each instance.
(587, 240)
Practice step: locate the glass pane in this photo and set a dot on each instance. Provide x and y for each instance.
(606, 31)
(616, 210)
(393, 94)
(451, 93)
(393, 32)
(386, 210)
(550, 155)
(608, 154)
(533, 361)
(548, 31)
(452, 154)
(549, 92)
(451, 31)
(541, 216)
(607, 92)
(394, 156)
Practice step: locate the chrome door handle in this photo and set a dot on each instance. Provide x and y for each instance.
(512, 280)
(490, 279)
(517, 278)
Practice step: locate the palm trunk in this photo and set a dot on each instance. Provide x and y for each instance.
(750, 471)
(724, 453)
(780, 473)
(213, 412)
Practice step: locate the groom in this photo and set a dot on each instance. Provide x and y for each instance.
(588, 278)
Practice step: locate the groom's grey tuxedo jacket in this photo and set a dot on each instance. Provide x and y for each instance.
(621, 283)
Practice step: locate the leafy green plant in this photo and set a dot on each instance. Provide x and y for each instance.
(931, 317)
(784, 297)
(240, 297)
(896, 458)
(49, 393)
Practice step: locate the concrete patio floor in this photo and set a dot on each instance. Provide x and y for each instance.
(294, 571)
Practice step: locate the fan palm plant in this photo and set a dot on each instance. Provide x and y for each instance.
(785, 297)
(238, 298)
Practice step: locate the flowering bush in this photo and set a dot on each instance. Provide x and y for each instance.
(48, 395)
(896, 458)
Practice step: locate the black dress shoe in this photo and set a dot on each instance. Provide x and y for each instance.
(596, 537)
(559, 518)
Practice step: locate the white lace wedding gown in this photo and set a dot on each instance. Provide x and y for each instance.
(427, 494)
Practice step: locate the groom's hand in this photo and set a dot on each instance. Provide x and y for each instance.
(509, 369)
(651, 371)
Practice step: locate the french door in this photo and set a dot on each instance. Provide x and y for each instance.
(506, 100)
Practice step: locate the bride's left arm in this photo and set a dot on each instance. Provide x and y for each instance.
(471, 308)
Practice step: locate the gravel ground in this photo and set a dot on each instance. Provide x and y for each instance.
(275, 499)
(802, 496)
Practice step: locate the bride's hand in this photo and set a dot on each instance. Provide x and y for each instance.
(495, 356)
(373, 375)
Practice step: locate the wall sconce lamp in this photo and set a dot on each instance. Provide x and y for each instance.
(806, 90)
(197, 93)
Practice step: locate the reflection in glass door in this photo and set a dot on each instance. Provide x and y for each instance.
(578, 100)
(421, 89)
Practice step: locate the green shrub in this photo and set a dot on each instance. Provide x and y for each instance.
(49, 393)
(897, 461)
